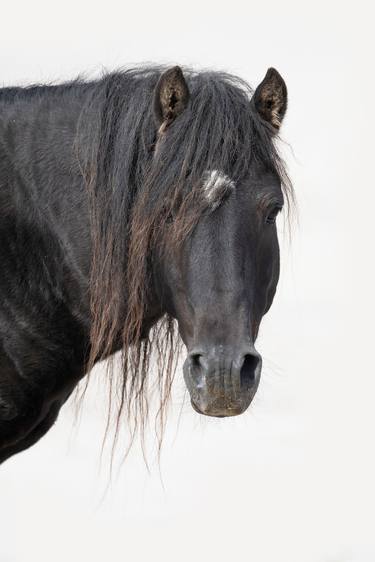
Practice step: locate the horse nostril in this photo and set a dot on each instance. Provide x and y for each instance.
(248, 370)
(196, 360)
(196, 366)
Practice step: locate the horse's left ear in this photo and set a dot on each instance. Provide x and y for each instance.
(171, 97)
(271, 98)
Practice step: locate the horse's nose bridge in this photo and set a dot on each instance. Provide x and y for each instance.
(223, 323)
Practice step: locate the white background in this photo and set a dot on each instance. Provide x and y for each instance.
(292, 480)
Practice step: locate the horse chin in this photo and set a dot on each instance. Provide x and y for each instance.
(218, 412)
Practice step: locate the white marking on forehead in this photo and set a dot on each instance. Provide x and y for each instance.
(216, 186)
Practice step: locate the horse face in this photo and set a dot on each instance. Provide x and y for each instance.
(222, 280)
(219, 285)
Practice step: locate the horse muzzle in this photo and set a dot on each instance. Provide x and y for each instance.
(222, 383)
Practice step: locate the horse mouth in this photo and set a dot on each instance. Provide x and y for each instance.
(215, 412)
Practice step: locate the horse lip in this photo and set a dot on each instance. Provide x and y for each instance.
(195, 407)
(228, 413)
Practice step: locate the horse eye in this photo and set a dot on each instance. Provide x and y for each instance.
(271, 217)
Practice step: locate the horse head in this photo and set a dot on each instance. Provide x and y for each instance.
(220, 278)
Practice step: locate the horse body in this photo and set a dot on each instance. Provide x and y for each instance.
(45, 259)
(68, 204)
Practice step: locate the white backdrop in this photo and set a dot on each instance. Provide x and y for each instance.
(292, 480)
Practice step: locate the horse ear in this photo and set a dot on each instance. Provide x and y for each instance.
(171, 96)
(271, 98)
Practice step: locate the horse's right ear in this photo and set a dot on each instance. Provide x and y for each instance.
(270, 99)
(171, 97)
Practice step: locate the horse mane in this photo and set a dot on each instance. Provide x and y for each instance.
(132, 190)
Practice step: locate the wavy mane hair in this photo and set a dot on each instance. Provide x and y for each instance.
(133, 189)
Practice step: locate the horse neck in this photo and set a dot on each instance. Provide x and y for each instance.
(41, 185)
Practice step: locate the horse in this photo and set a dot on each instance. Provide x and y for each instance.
(137, 210)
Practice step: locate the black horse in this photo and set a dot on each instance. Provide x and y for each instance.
(126, 203)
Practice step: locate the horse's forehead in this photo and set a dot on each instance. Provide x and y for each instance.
(216, 186)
